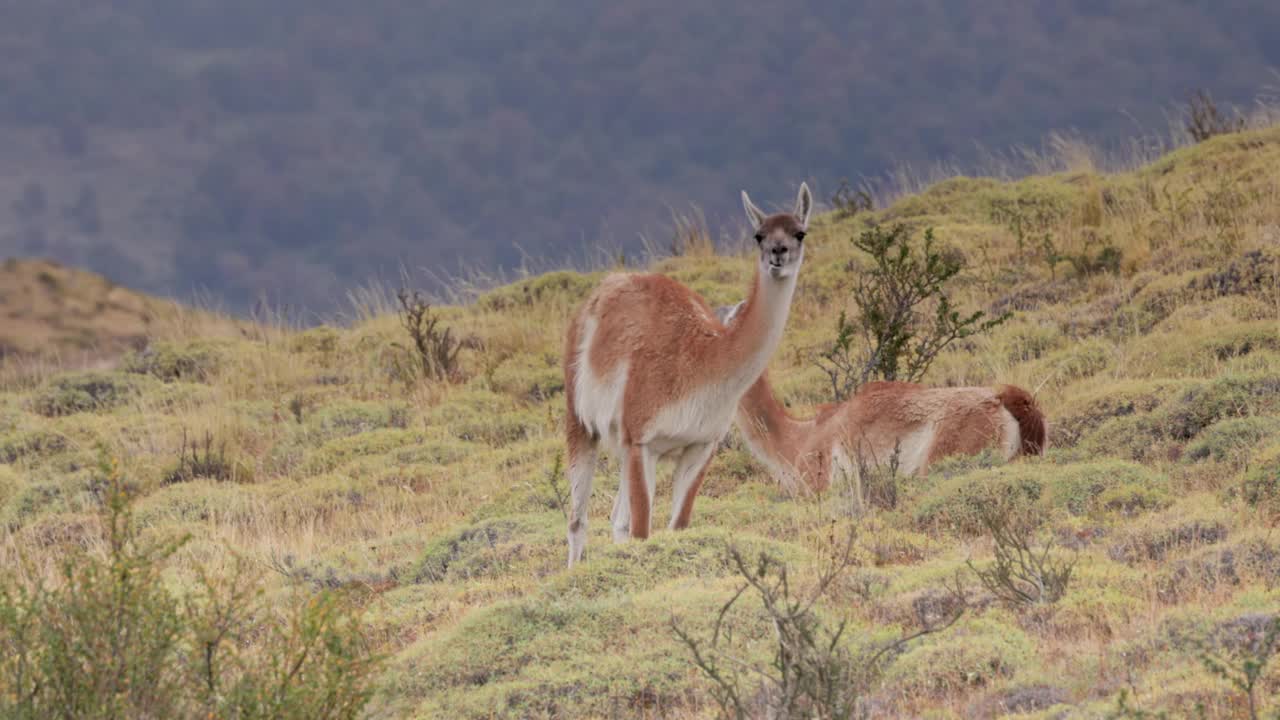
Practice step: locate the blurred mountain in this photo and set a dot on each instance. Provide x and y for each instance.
(293, 148)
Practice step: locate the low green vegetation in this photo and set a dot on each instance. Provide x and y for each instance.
(392, 523)
(107, 638)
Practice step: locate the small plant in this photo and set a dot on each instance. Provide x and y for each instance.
(813, 672)
(873, 483)
(197, 462)
(905, 316)
(171, 361)
(298, 406)
(1245, 671)
(110, 639)
(435, 348)
(1096, 255)
(849, 202)
(1224, 210)
(690, 235)
(557, 492)
(1020, 575)
(1204, 120)
(1106, 259)
(1028, 219)
(880, 479)
(84, 392)
(1050, 254)
(1125, 711)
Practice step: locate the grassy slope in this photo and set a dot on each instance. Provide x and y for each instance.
(430, 501)
(49, 309)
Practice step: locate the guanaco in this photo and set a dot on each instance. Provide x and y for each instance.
(652, 373)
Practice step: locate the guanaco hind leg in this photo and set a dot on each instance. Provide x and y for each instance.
(581, 471)
(641, 482)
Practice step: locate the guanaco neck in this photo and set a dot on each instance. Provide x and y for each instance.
(754, 333)
(773, 434)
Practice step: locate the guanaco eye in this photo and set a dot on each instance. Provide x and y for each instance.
(800, 235)
(759, 237)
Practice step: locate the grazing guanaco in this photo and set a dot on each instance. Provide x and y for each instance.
(652, 373)
(886, 422)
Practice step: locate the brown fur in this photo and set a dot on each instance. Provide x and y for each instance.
(651, 372)
(650, 315)
(1026, 411)
(686, 507)
(921, 424)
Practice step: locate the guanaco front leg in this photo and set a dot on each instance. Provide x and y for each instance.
(691, 468)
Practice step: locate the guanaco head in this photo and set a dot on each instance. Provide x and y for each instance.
(780, 237)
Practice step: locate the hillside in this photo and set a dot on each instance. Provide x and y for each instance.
(1153, 345)
(50, 309)
(287, 148)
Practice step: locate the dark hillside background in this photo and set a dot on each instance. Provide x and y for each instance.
(295, 148)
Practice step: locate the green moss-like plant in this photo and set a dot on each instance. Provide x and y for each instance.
(528, 377)
(1076, 488)
(17, 446)
(976, 652)
(1233, 440)
(84, 392)
(1261, 485)
(169, 361)
(566, 285)
(322, 340)
(344, 418)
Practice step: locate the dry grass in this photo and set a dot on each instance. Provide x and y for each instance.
(350, 478)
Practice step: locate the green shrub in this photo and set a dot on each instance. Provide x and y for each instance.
(486, 548)
(905, 314)
(1020, 574)
(550, 656)
(432, 353)
(528, 377)
(1085, 413)
(25, 500)
(570, 286)
(1140, 438)
(1077, 488)
(698, 552)
(18, 445)
(206, 460)
(1232, 439)
(1161, 433)
(482, 416)
(1083, 359)
(323, 340)
(976, 653)
(813, 672)
(1029, 341)
(412, 447)
(1158, 536)
(169, 361)
(10, 484)
(1262, 481)
(1224, 397)
(959, 502)
(83, 392)
(111, 640)
(344, 418)
(1222, 565)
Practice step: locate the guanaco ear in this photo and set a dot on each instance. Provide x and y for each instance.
(726, 313)
(754, 214)
(804, 205)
